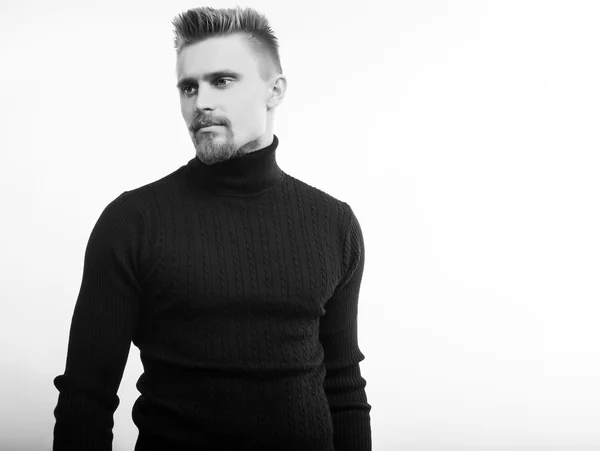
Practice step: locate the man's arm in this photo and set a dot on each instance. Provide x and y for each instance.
(104, 320)
(343, 384)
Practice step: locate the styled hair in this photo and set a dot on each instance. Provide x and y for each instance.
(201, 23)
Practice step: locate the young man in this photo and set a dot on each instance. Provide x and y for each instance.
(238, 282)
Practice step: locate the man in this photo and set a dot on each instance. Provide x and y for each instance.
(238, 282)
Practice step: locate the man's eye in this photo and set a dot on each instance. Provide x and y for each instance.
(222, 79)
(185, 87)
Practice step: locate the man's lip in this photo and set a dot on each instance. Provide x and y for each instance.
(214, 125)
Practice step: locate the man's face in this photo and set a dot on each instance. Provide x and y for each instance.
(236, 101)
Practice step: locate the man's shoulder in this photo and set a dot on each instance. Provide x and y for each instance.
(166, 181)
(319, 196)
(140, 198)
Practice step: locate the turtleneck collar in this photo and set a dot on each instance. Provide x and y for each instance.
(249, 174)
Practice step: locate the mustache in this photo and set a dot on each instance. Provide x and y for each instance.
(205, 122)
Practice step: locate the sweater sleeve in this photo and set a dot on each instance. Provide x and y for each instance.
(103, 322)
(343, 384)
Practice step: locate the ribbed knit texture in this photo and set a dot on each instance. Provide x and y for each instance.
(239, 284)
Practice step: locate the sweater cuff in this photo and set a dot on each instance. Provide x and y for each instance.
(350, 411)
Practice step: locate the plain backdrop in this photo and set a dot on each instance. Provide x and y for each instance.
(464, 134)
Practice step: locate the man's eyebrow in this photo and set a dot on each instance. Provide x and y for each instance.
(210, 76)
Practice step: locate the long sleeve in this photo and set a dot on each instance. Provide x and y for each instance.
(103, 322)
(343, 384)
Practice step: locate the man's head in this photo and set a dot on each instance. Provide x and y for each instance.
(240, 41)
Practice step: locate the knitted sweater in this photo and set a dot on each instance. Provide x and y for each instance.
(239, 284)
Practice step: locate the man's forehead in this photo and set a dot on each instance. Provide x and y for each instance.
(215, 54)
(225, 47)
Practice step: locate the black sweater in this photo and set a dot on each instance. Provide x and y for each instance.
(239, 285)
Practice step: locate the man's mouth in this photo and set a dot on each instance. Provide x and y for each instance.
(206, 128)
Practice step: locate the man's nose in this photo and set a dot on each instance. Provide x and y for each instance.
(204, 99)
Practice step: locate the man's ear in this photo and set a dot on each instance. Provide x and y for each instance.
(277, 91)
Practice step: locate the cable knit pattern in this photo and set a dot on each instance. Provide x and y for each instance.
(239, 284)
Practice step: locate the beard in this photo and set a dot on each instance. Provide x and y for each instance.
(216, 146)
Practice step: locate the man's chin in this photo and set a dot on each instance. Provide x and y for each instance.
(211, 153)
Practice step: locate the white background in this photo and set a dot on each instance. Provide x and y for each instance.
(464, 134)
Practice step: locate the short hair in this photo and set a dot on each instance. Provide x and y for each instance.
(204, 22)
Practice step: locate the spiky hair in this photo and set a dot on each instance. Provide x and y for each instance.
(201, 23)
